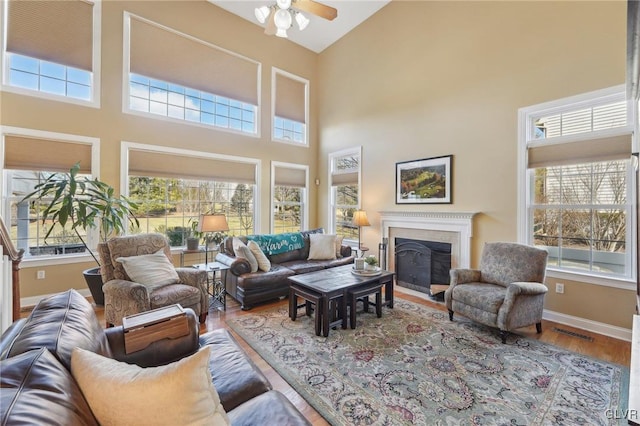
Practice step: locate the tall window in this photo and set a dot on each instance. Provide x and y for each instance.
(579, 183)
(50, 48)
(22, 171)
(290, 107)
(170, 206)
(175, 75)
(345, 169)
(174, 187)
(289, 192)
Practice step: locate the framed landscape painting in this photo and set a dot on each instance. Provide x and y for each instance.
(426, 181)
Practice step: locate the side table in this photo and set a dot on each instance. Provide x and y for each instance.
(216, 285)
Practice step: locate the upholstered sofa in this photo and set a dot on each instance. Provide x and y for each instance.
(250, 288)
(506, 292)
(39, 385)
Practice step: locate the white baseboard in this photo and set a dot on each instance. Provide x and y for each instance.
(33, 300)
(588, 325)
(560, 318)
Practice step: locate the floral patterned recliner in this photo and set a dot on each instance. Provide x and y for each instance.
(507, 291)
(124, 297)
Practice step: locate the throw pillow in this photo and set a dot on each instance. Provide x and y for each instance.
(180, 393)
(322, 247)
(150, 269)
(263, 261)
(339, 239)
(241, 250)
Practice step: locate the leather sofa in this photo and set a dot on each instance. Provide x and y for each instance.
(36, 386)
(250, 288)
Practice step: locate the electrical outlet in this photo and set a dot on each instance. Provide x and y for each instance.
(559, 288)
(40, 275)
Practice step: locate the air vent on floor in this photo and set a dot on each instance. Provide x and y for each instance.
(573, 334)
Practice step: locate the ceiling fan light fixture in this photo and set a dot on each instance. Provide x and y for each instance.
(262, 13)
(283, 19)
(302, 21)
(283, 4)
(281, 33)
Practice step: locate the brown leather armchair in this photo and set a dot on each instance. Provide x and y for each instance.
(125, 297)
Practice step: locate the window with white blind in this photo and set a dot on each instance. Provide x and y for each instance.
(52, 49)
(174, 187)
(289, 201)
(290, 107)
(344, 177)
(174, 75)
(577, 184)
(22, 171)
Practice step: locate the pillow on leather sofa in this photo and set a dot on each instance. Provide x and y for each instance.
(36, 389)
(322, 247)
(178, 393)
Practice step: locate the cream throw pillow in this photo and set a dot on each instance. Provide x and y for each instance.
(322, 247)
(241, 250)
(150, 269)
(264, 264)
(180, 393)
(339, 239)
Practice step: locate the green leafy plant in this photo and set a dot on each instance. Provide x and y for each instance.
(371, 260)
(84, 203)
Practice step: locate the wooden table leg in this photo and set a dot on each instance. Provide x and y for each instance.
(293, 305)
(326, 319)
(388, 293)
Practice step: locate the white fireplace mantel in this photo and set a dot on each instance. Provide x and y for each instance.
(459, 223)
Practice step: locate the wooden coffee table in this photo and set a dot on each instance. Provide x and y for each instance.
(330, 284)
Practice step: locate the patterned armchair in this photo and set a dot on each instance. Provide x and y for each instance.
(124, 297)
(507, 291)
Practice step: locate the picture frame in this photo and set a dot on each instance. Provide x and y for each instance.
(424, 181)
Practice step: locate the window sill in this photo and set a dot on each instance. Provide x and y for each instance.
(33, 262)
(622, 283)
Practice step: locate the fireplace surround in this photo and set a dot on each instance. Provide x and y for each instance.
(454, 228)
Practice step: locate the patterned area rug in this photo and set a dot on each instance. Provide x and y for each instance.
(414, 366)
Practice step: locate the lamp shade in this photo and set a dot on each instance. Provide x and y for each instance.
(360, 218)
(212, 223)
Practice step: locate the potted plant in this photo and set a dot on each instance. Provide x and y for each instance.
(370, 263)
(193, 240)
(84, 203)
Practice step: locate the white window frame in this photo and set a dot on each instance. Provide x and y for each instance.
(526, 117)
(126, 51)
(127, 146)
(356, 151)
(305, 193)
(92, 234)
(94, 102)
(274, 72)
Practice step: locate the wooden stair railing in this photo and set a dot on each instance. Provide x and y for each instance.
(16, 257)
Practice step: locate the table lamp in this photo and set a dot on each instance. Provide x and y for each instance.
(211, 223)
(360, 220)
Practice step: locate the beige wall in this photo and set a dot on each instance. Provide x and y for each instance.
(202, 20)
(425, 79)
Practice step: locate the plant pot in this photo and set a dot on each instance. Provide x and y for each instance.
(94, 282)
(192, 244)
(368, 267)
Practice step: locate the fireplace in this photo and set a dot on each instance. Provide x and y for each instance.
(451, 228)
(420, 263)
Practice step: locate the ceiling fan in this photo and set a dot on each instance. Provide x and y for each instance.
(279, 17)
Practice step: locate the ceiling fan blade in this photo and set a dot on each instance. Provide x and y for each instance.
(319, 9)
(270, 28)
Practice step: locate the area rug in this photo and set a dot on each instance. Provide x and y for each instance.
(414, 366)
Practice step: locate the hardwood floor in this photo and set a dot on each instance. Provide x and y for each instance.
(581, 341)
